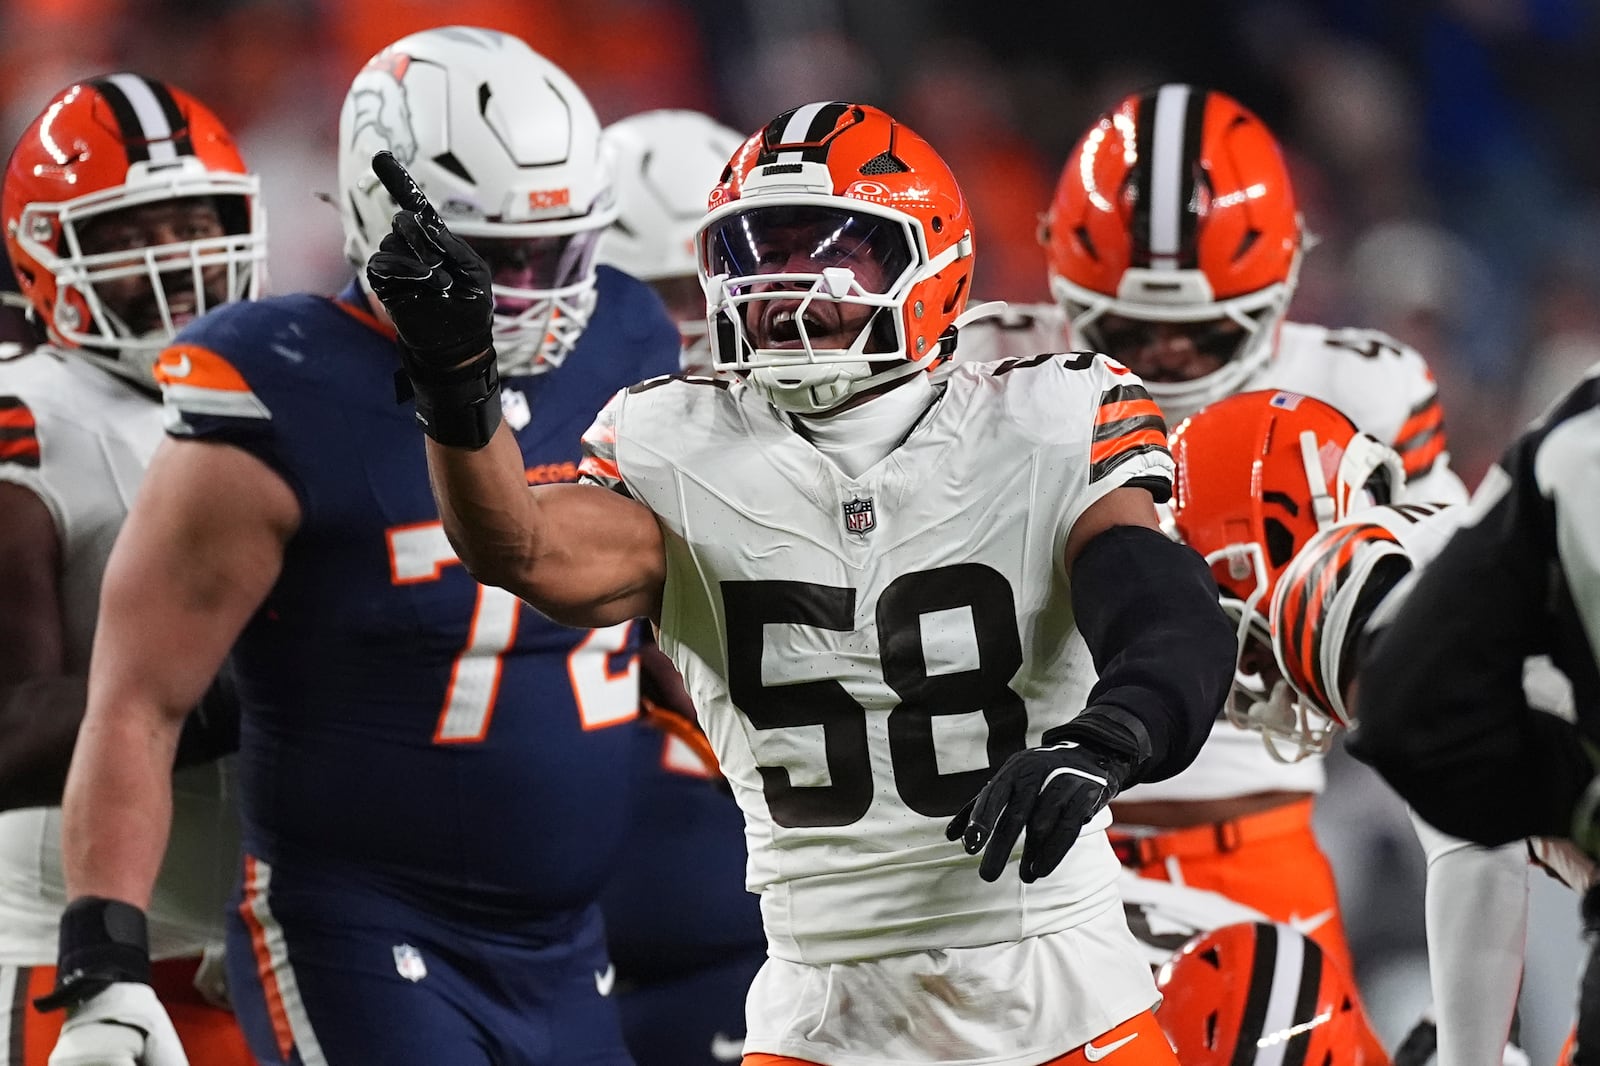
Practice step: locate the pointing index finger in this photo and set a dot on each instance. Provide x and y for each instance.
(401, 185)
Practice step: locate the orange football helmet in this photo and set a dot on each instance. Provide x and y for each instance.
(105, 145)
(1176, 207)
(836, 256)
(1258, 994)
(1258, 475)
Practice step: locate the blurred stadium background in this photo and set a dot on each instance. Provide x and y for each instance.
(1444, 152)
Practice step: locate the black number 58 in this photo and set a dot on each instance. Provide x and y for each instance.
(750, 605)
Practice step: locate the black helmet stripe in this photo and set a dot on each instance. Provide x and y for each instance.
(1274, 1029)
(804, 125)
(1168, 127)
(152, 126)
(1254, 1019)
(1305, 1007)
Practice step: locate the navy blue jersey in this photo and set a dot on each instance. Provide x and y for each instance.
(678, 903)
(399, 719)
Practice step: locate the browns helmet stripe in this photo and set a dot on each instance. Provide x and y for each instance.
(152, 127)
(800, 135)
(1168, 126)
(1259, 995)
(1305, 1007)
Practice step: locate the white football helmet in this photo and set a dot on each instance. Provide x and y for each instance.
(507, 149)
(666, 162)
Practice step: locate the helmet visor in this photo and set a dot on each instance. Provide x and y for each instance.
(766, 246)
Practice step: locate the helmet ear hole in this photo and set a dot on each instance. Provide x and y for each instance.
(1211, 1030)
(1280, 542)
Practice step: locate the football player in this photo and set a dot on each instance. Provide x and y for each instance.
(128, 213)
(433, 788)
(684, 934)
(1260, 994)
(1173, 244)
(1477, 897)
(887, 597)
(666, 163)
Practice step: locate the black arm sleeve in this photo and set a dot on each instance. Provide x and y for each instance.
(1147, 608)
(1440, 706)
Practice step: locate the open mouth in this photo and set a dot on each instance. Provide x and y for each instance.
(782, 328)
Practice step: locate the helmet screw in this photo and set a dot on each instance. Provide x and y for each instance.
(922, 344)
(41, 229)
(916, 308)
(67, 315)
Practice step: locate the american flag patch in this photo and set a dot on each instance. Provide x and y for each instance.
(1286, 400)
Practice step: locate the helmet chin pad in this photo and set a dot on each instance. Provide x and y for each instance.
(812, 388)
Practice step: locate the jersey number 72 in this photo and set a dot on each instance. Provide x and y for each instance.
(604, 696)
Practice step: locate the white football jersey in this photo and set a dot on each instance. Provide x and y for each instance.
(863, 651)
(80, 439)
(1384, 387)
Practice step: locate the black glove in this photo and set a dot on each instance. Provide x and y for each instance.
(1052, 791)
(439, 292)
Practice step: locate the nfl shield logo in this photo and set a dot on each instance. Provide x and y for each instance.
(858, 516)
(408, 963)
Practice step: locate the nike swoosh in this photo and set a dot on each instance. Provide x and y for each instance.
(180, 369)
(726, 1048)
(1095, 1054)
(604, 979)
(1307, 926)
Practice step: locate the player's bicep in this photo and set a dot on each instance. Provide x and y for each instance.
(601, 558)
(31, 641)
(202, 546)
(1125, 506)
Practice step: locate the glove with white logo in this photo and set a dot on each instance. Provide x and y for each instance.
(439, 292)
(1052, 791)
(103, 981)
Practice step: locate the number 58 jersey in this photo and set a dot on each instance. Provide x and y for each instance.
(865, 652)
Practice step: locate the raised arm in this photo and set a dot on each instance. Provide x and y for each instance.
(578, 553)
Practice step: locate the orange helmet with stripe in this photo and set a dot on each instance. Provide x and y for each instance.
(1329, 591)
(836, 256)
(117, 144)
(1259, 994)
(1258, 475)
(1175, 208)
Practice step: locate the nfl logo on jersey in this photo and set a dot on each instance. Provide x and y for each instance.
(858, 516)
(408, 963)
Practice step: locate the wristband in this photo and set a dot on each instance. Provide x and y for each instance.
(459, 407)
(102, 942)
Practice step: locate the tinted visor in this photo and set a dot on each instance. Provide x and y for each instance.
(538, 262)
(806, 240)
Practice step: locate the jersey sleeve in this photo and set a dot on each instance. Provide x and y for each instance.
(599, 463)
(211, 387)
(1129, 444)
(1421, 440)
(22, 454)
